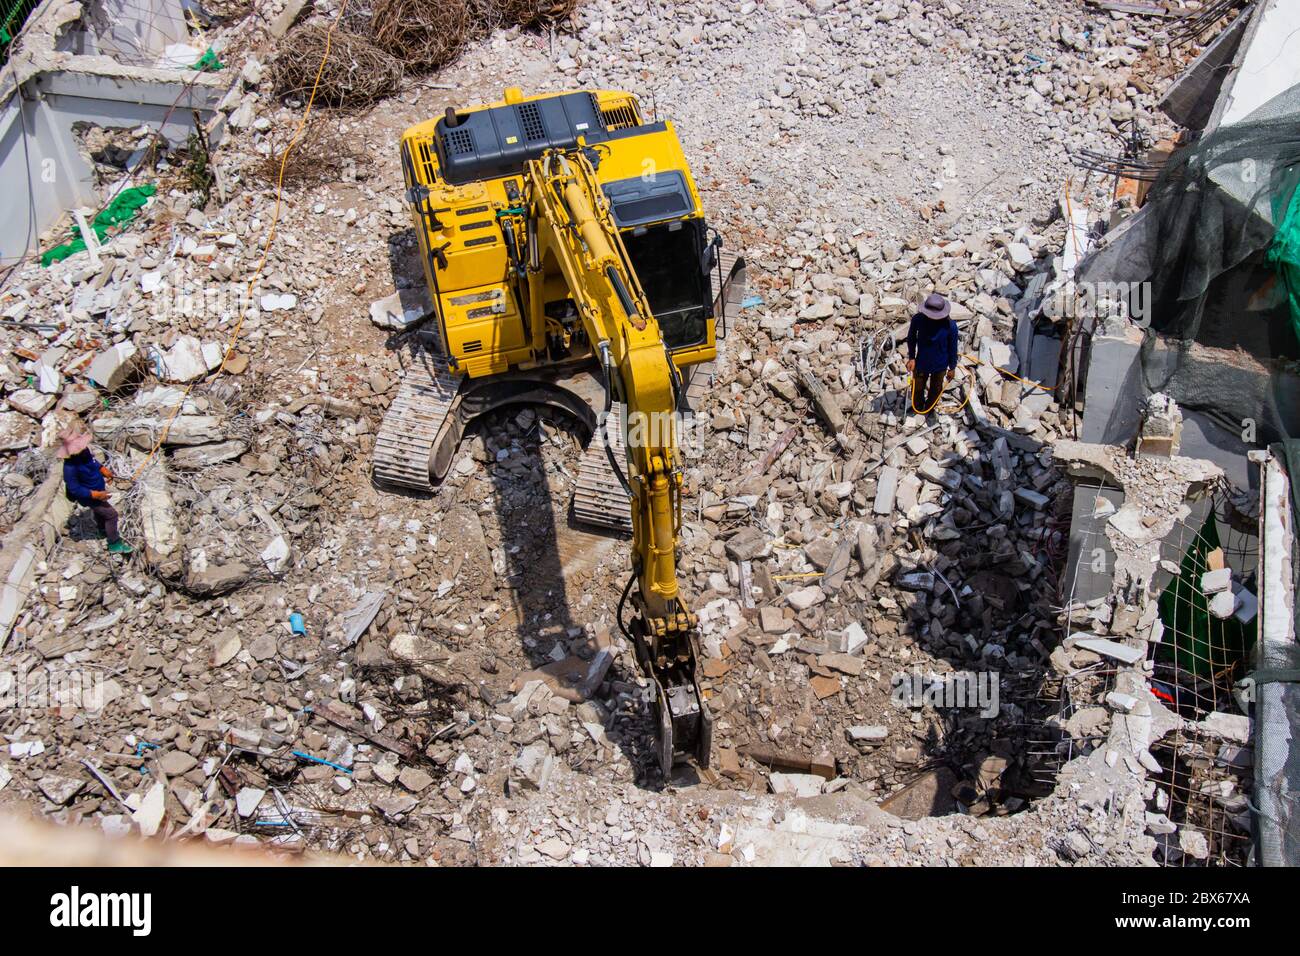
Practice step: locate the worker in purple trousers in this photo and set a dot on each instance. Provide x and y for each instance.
(931, 352)
(85, 481)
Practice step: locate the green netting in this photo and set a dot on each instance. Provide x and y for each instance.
(1195, 640)
(13, 14)
(1284, 253)
(122, 209)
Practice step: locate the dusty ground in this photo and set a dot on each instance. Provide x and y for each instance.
(829, 150)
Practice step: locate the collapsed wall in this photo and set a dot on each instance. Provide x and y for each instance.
(77, 65)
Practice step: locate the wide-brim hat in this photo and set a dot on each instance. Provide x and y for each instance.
(936, 306)
(72, 442)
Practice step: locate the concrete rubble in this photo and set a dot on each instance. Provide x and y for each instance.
(442, 680)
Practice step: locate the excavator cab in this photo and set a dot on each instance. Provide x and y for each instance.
(664, 256)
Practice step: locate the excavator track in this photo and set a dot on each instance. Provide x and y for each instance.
(419, 416)
(599, 498)
(414, 421)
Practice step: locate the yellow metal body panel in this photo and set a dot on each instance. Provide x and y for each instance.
(466, 252)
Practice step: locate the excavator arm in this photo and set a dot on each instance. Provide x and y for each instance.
(568, 218)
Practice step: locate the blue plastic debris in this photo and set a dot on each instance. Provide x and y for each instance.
(302, 756)
(750, 301)
(297, 624)
(140, 748)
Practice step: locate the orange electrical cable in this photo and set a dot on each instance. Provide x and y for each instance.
(1023, 381)
(266, 246)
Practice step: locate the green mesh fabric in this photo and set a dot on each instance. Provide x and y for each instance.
(1195, 640)
(1284, 254)
(122, 209)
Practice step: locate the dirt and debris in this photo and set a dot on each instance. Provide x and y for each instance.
(299, 659)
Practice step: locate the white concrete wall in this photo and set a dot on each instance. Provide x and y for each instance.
(42, 180)
(132, 32)
(49, 85)
(1270, 63)
(51, 103)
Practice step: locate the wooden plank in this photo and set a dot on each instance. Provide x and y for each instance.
(336, 716)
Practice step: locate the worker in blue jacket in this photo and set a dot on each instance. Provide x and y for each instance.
(85, 481)
(931, 351)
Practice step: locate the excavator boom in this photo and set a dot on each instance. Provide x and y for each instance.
(570, 217)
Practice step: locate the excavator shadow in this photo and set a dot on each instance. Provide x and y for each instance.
(555, 573)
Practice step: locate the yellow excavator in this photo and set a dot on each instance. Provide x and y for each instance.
(568, 262)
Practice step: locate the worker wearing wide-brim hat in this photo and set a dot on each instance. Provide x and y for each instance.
(85, 481)
(931, 351)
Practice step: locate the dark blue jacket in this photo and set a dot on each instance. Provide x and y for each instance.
(933, 343)
(81, 476)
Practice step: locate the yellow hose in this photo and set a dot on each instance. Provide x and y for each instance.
(911, 389)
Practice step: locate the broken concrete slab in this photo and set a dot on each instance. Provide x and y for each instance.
(203, 456)
(16, 431)
(772, 620)
(932, 471)
(31, 402)
(837, 568)
(928, 795)
(286, 17)
(144, 432)
(852, 639)
(404, 308)
(247, 800)
(224, 648)
(1222, 604)
(748, 544)
(886, 489)
(797, 840)
(867, 733)
(533, 766)
(359, 617)
(45, 513)
(184, 362)
(803, 598)
(1110, 464)
(1215, 581)
(1034, 499)
(916, 581)
(111, 368)
(213, 580)
(796, 784)
(59, 789)
(158, 522)
(1112, 649)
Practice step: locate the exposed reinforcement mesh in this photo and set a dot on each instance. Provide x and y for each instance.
(1206, 780)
